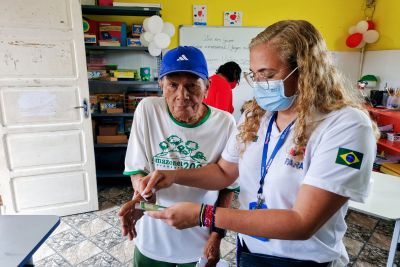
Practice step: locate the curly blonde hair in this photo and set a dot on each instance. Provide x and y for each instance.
(320, 86)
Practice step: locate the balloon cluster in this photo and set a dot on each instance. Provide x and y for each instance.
(157, 34)
(362, 33)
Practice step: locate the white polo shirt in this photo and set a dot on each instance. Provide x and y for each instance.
(159, 142)
(338, 158)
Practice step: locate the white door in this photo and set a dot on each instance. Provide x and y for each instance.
(46, 144)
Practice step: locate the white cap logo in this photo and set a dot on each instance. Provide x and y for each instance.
(182, 58)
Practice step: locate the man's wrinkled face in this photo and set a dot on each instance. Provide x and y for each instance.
(184, 93)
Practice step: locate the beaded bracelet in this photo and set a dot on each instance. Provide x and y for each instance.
(200, 220)
(208, 216)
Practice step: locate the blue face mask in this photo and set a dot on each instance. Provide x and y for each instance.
(270, 95)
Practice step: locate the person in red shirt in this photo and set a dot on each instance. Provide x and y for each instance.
(226, 78)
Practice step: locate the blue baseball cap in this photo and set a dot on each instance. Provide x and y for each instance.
(184, 59)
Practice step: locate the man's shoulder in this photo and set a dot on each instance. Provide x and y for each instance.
(221, 115)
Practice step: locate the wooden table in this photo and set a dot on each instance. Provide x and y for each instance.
(383, 202)
(22, 235)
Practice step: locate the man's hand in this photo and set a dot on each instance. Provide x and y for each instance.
(211, 249)
(128, 217)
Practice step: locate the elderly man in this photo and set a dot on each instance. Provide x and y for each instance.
(171, 132)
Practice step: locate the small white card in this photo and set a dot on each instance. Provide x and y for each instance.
(199, 15)
(233, 18)
(203, 261)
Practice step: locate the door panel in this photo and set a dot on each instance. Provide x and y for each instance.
(15, 14)
(39, 105)
(37, 58)
(46, 143)
(68, 188)
(51, 149)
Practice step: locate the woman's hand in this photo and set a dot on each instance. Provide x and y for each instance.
(181, 216)
(154, 181)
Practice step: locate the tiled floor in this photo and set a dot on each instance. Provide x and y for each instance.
(94, 239)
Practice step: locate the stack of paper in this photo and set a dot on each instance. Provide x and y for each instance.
(136, 4)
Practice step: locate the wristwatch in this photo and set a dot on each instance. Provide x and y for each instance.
(221, 232)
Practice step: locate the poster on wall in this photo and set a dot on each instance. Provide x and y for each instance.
(200, 15)
(233, 18)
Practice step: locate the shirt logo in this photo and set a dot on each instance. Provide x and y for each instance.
(175, 153)
(349, 158)
(182, 58)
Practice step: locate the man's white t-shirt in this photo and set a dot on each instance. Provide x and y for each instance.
(158, 141)
(338, 158)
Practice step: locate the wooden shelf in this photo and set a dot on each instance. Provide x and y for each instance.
(110, 174)
(110, 145)
(118, 48)
(112, 114)
(393, 147)
(118, 10)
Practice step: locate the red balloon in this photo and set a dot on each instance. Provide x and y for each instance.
(354, 39)
(371, 25)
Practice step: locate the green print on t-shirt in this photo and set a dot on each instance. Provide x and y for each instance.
(175, 153)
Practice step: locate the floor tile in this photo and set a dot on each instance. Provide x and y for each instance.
(78, 219)
(360, 263)
(373, 255)
(65, 240)
(385, 227)
(363, 220)
(231, 258)
(226, 247)
(43, 252)
(80, 252)
(357, 232)
(353, 247)
(61, 227)
(105, 206)
(53, 261)
(123, 251)
(111, 218)
(94, 227)
(231, 237)
(380, 240)
(111, 192)
(101, 260)
(108, 238)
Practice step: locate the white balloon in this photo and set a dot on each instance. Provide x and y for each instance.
(148, 36)
(146, 24)
(352, 29)
(155, 24)
(143, 40)
(154, 50)
(361, 45)
(362, 26)
(371, 36)
(161, 40)
(168, 28)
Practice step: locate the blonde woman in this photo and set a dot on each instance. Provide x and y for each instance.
(302, 149)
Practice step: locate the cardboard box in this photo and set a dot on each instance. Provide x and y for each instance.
(133, 42)
(137, 30)
(115, 139)
(105, 2)
(115, 110)
(112, 33)
(91, 31)
(108, 130)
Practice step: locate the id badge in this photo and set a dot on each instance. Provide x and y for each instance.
(253, 206)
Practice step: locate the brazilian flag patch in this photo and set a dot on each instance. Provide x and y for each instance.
(349, 158)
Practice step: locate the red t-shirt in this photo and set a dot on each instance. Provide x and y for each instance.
(219, 94)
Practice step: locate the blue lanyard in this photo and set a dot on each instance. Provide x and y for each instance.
(266, 164)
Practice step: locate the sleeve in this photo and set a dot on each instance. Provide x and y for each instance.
(231, 152)
(136, 161)
(342, 160)
(232, 129)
